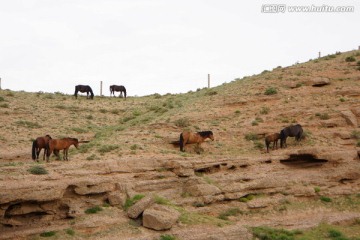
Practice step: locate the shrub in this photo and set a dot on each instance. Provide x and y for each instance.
(316, 189)
(325, 199)
(182, 122)
(270, 91)
(2, 99)
(92, 157)
(350, 59)
(48, 234)
(37, 170)
(27, 124)
(93, 210)
(210, 92)
(264, 110)
(323, 116)
(230, 212)
(355, 134)
(358, 63)
(266, 233)
(167, 237)
(131, 201)
(70, 232)
(107, 148)
(251, 136)
(4, 105)
(335, 234)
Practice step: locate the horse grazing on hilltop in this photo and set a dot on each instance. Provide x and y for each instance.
(55, 145)
(291, 131)
(38, 144)
(272, 138)
(84, 88)
(187, 137)
(116, 88)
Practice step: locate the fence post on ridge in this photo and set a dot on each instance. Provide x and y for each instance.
(0, 83)
(100, 88)
(208, 80)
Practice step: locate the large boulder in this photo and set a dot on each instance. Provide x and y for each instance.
(320, 81)
(138, 208)
(350, 118)
(159, 217)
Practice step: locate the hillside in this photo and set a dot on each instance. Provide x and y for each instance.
(222, 190)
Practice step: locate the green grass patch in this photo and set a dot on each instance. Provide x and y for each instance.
(48, 234)
(270, 91)
(251, 136)
(107, 148)
(182, 122)
(230, 212)
(266, 233)
(167, 237)
(27, 124)
(70, 232)
(325, 199)
(93, 210)
(37, 170)
(131, 201)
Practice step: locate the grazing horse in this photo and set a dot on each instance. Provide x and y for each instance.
(84, 88)
(116, 88)
(272, 138)
(38, 144)
(55, 145)
(291, 131)
(187, 137)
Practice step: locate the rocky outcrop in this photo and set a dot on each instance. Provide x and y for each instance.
(139, 207)
(159, 217)
(320, 81)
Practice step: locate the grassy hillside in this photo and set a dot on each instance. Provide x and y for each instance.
(236, 112)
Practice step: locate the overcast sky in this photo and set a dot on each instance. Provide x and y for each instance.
(160, 46)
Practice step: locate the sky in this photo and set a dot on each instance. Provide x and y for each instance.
(162, 46)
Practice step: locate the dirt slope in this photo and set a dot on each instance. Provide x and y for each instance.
(299, 187)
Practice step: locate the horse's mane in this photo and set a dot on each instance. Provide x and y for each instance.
(205, 133)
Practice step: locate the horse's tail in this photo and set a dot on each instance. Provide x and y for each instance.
(110, 90)
(33, 150)
(181, 142)
(76, 91)
(125, 92)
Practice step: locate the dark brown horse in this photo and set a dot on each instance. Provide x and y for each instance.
(272, 138)
(38, 144)
(187, 137)
(55, 145)
(116, 88)
(291, 131)
(84, 88)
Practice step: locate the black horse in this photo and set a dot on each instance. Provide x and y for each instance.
(116, 88)
(291, 131)
(84, 88)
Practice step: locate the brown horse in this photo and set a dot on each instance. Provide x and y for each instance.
(55, 145)
(187, 137)
(272, 138)
(116, 88)
(38, 144)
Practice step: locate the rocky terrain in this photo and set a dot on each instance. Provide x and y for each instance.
(129, 182)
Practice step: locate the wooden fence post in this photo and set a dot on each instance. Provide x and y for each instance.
(101, 83)
(209, 80)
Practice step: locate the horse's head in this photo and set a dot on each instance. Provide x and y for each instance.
(76, 142)
(211, 136)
